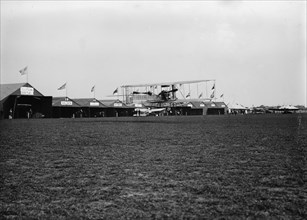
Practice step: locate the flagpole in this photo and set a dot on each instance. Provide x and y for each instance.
(66, 89)
(123, 91)
(206, 91)
(197, 90)
(214, 91)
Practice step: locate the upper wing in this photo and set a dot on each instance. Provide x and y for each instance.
(168, 83)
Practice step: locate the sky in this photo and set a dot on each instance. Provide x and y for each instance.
(255, 50)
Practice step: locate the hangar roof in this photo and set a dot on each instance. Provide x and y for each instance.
(201, 104)
(114, 103)
(196, 104)
(216, 104)
(89, 102)
(14, 89)
(64, 102)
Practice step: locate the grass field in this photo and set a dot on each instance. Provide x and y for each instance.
(242, 167)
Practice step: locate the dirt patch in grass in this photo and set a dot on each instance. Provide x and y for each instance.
(251, 166)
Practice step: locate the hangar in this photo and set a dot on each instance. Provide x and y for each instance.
(215, 108)
(117, 108)
(201, 108)
(64, 107)
(22, 100)
(92, 107)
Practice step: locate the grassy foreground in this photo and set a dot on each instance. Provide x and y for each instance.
(225, 167)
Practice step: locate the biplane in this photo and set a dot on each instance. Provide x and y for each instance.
(156, 95)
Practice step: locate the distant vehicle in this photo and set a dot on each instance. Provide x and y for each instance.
(258, 110)
(261, 110)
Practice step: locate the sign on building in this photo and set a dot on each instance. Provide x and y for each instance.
(26, 91)
(138, 105)
(94, 103)
(66, 102)
(116, 104)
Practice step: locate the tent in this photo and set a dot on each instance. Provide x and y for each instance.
(235, 108)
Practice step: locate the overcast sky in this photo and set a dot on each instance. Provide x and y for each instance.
(256, 50)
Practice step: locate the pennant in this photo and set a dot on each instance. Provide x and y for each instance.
(201, 95)
(62, 87)
(188, 95)
(115, 91)
(213, 86)
(221, 95)
(24, 71)
(93, 89)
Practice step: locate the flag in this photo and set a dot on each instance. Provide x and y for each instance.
(201, 95)
(115, 91)
(213, 86)
(212, 95)
(221, 95)
(62, 87)
(24, 71)
(93, 89)
(188, 95)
